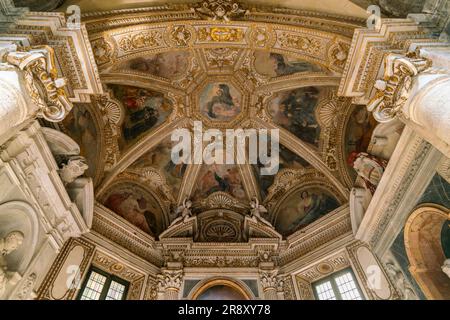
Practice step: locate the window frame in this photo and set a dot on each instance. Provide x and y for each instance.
(332, 279)
(109, 278)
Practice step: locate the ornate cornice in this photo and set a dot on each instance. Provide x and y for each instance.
(113, 266)
(336, 225)
(110, 226)
(367, 52)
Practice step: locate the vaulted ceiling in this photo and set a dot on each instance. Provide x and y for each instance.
(164, 70)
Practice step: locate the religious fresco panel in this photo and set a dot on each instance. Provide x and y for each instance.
(160, 158)
(137, 206)
(273, 64)
(214, 178)
(168, 65)
(295, 109)
(144, 110)
(81, 127)
(303, 207)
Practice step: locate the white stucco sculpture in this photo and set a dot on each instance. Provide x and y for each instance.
(256, 210)
(75, 167)
(8, 245)
(446, 267)
(400, 282)
(183, 212)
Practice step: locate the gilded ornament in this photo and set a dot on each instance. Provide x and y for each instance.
(221, 34)
(393, 90)
(220, 9)
(180, 35)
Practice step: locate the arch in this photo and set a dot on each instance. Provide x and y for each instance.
(423, 245)
(20, 216)
(237, 285)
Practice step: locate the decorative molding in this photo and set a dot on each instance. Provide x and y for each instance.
(111, 265)
(393, 90)
(72, 49)
(45, 290)
(128, 236)
(407, 174)
(367, 51)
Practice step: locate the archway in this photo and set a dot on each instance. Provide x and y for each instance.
(424, 249)
(220, 289)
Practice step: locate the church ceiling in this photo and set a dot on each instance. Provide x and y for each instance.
(165, 74)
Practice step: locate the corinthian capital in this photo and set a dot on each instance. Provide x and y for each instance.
(269, 279)
(41, 79)
(393, 90)
(170, 279)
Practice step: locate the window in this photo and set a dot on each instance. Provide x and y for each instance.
(100, 285)
(338, 286)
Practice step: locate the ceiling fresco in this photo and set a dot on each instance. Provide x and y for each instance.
(215, 178)
(303, 207)
(82, 127)
(159, 158)
(164, 74)
(220, 101)
(295, 109)
(138, 206)
(168, 65)
(274, 65)
(144, 109)
(358, 133)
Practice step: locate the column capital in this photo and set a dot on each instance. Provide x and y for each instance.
(170, 279)
(394, 88)
(269, 279)
(45, 88)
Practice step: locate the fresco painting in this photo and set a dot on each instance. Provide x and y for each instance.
(273, 64)
(303, 207)
(168, 65)
(160, 158)
(81, 127)
(145, 109)
(294, 110)
(136, 206)
(220, 102)
(358, 133)
(214, 178)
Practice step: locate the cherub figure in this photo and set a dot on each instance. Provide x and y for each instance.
(256, 210)
(183, 212)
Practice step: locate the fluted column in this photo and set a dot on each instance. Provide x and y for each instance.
(269, 282)
(169, 284)
(419, 93)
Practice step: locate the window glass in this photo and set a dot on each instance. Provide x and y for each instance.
(338, 286)
(100, 285)
(94, 287)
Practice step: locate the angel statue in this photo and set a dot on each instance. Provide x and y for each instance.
(7, 245)
(256, 210)
(183, 212)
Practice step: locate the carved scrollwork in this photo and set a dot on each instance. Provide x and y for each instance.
(393, 90)
(46, 90)
(170, 279)
(220, 9)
